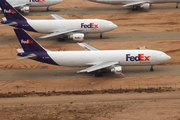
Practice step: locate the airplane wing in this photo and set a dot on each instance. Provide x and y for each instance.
(57, 17)
(99, 66)
(15, 5)
(59, 33)
(28, 56)
(135, 3)
(88, 47)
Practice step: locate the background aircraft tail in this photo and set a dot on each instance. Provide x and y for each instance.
(27, 42)
(10, 13)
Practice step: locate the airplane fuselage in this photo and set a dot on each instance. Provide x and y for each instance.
(123, 2)
(81, 25)
(88, 58)
(35, 3)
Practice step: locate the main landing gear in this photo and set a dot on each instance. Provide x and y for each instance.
(98, 74)
(177, 5)
(134, 8)
(151, 68)
(61, 39)
(101, 36)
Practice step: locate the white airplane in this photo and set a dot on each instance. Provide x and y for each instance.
(23, 5)
(95, 59)
(71, 28)
(145, 4)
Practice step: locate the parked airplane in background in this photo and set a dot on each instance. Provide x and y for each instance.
(23, 5)
(145, 4)
(95, 58)
(71, 28)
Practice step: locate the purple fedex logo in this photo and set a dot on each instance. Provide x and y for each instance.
(36, 0)
(9, 11)
(26, 41)
(140, 57)
(90, 25)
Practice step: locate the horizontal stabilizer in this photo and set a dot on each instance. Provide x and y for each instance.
(99, 66)
(58, 33)
(88, 47)
(20, 50)
(12, 23)
(135, 3)
(57, 17)
(4, 19)
(28, 56)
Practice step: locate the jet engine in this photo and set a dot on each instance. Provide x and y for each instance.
(25, 9)
(117, 70)
(145, 6)
(77, 36)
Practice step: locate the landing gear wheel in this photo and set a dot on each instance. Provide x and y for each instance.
(61, 39)
(151, 69)
(135, 8)
(47, 8)
(98, 74)
(101, 36)
(177, 5)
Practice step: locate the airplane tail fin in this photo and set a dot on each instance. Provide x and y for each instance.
(10, 13)
(27, 42)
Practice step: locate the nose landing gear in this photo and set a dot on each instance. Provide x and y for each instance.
(101, 36)
(47, 8)
(151, 68)
(177, 5)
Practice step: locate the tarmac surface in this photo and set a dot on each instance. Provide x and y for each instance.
(128, 71)
(100, 10)
(106, 37)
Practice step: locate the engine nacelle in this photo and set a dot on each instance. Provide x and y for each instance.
(117, 70)
(145, 6)
(25, 9)
(77, 36)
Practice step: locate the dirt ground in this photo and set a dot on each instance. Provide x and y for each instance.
(140, 109)
(164, 109)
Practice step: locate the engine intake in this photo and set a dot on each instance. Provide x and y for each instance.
(145, 6)
(77, 37)
(117, 70)
(25, 9)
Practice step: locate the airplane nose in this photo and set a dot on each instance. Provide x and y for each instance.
(58, 1)
(163, 57)
(167, 57)
(115, 26)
